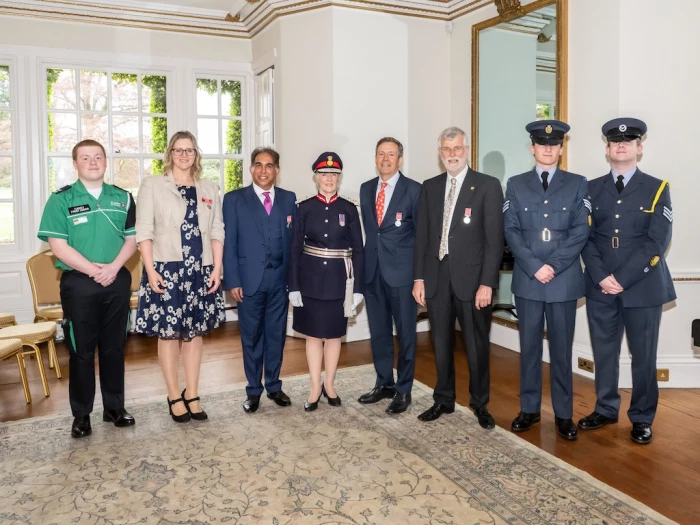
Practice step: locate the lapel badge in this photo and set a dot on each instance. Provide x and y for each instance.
(208, 202)
(289, 221)
(399, 216)
(467, 215)
(341, 219)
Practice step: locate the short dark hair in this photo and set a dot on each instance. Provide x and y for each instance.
(87, 142)
(271, 152)
(393, 141)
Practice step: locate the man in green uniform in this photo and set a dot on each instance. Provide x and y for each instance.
(90, 228)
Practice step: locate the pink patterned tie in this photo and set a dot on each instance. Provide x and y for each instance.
(267, 202)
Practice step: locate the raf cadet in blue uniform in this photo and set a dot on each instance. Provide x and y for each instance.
(546, 227)
(627, 280)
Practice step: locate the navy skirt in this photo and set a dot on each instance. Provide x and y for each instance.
(321, 319)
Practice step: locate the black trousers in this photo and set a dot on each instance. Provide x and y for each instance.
(95, 316)
(443, 308)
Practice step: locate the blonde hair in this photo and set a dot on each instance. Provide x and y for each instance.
(196, 169)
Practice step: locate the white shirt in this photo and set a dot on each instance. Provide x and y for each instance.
(460, 179)
(95, 192)
(259, 192)
(388, 190)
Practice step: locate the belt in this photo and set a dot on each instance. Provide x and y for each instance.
(615, 242)
(327, 253)
(547, 235)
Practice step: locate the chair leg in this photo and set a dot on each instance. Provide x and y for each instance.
(23, 377)
(40, 362)
(53, 357)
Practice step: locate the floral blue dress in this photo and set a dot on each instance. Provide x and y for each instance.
(184, 310)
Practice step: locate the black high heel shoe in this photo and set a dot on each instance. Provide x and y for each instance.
(310, 407)
(198, 416)
(182, 418)
(332, 401)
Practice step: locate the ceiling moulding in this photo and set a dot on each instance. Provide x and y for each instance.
(254, 16)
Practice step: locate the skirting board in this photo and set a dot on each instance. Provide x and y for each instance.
(684, 372)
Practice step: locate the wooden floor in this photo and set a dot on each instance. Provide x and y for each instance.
(664, 475)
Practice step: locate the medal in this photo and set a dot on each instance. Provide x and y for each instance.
(467, 215)
(341, 219)
(399, 215)
(289, 221)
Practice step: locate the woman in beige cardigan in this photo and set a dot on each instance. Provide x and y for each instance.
(180, 233)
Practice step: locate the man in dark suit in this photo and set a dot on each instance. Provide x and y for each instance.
(388, 204)
(459, 246)
(627, 281)
(258, 220)
(546, 227)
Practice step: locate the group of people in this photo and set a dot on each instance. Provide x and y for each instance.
(438, 244)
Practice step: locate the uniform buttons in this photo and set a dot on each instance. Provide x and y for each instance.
(617, 216)
(325, 262)
(545, 215)
(306, 236)
(617, 231)
(326, 207)
(326, 220)
(641, 207)
(619, 202)
(525, 209)
(564, 209)
(325, 235)
(546, 202)
(263, 245)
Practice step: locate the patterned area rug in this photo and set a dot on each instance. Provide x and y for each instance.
(353, 464)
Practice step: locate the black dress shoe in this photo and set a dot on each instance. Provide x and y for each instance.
(399, 403)
(280, 398)
(310, 407)
(182, 418)
(81, 427)
(332, 401)
(595, 420)
(198, 416)
(524, 421)
(641, 433)
(485, 418)
(120, 417)
(435, 412)
(377, 394)
(566, 428)
(251, 404)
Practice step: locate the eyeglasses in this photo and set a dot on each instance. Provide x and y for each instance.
(180, 152)
(457, 150)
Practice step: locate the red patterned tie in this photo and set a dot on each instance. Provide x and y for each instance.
(380, 204)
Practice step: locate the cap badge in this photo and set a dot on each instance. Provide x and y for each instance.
(623, 128)
(329, 162)
(548, 129)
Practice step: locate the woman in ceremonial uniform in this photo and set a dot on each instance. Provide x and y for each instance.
(326, 281)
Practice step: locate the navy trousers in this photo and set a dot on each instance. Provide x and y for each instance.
(262, 320)
(385, 303)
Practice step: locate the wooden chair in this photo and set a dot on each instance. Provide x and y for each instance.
(7, 319)
(10, 348)
(32, 335)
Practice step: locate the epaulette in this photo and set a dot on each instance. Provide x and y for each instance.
(305, 199)
(115, 186)
(66, 187)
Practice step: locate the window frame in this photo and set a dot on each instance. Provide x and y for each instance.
(16, 155)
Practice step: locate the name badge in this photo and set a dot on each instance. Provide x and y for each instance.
(289, 221)
(341, 219)
(80, 208)
(399, 216)
(467, 215)
(80, 220)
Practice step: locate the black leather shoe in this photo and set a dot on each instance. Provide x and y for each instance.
(332, 401)
(198, 416)
(524, 421)
(120, 417)
(399, 403)
(251, 404)
(641, 433)
(377, 394)
(280, 398)
(310, 407)
(595, 420)
(182, 418)
(81, 427)
(566, 428)
(435, 412)
(485, 418)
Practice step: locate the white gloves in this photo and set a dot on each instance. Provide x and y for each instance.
(357, 298)
(295, 299)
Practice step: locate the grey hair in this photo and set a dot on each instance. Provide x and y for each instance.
(452, 133)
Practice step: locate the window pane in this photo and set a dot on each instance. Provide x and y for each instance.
(208, 135)
(95, 127)
(231, 98)
(5, 131)
(4, 86)
(234, 174)
(207, 101)
(231, 134)
(125, 92)
(60, 88)
(152, 167)
(125, 134)
(63, 131)
(5, 178)
(155, 134)
(93, 91)
(61, 172)
(153, 94)
(126, 173)
(210, 171)
(7, 223)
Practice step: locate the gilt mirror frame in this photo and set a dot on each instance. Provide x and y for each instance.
(509, 10)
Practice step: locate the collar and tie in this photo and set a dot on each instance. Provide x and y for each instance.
(267, 202)
(545, 184)
(379, 205)
(446, 216)
(620, 184)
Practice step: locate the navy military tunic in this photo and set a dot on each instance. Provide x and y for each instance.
(630, 234)
(334, 225)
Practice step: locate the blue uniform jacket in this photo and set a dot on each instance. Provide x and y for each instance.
(531, 216)
(630, 235)
(388, 245)
(244, 247)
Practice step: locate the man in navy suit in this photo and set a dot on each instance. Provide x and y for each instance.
(258, 221)
(388, 204)
(546, 227)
